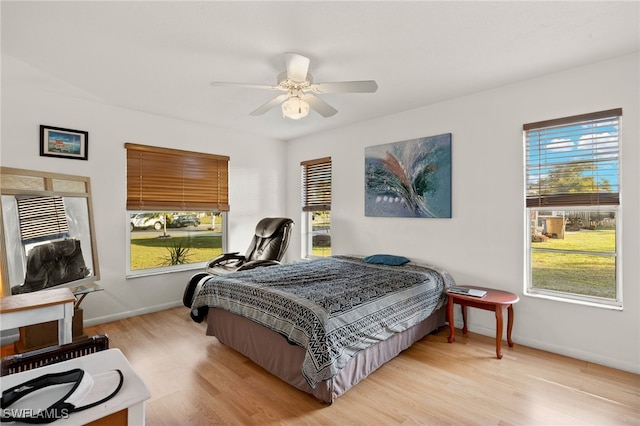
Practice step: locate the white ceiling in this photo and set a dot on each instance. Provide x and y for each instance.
(159, 56)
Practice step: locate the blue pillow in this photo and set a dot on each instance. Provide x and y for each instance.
(386, 259)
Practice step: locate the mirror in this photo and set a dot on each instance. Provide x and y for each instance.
(47, 231)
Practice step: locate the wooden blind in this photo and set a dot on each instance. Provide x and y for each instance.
(42, 217)
(316, 184)
(171, 179)
(573, 161)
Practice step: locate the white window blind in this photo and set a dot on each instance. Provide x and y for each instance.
(42, 217)
(573, 161)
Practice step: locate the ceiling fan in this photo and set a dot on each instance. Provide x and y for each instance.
(300, 90)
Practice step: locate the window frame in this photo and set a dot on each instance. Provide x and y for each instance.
(173, 183)
(314, 197)
(308, 234)
(130, 273)
(529, 290)
(607, 202)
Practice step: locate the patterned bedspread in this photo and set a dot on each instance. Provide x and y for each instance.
(333, 307)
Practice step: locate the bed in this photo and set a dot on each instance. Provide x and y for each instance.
(324, 325)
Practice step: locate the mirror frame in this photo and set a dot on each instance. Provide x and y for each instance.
(30, 182)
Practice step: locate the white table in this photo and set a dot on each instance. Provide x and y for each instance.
(38, 307)
(131, 397)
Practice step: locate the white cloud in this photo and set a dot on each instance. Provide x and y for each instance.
(561, 145)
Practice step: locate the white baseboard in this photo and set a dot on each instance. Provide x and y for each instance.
(13, 335)
(559, 349)
(581, 355)
(134, 313)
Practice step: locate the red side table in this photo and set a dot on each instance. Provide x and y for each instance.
(494, 300)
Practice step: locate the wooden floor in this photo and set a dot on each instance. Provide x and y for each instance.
(195, 380)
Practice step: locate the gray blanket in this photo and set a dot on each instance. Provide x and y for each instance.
(333, 307)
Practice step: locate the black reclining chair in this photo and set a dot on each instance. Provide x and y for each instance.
(267, 248)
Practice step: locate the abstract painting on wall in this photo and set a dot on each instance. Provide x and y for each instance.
(410, 178)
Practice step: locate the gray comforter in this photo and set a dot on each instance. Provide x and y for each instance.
(333, 307)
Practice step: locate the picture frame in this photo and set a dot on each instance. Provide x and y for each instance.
(64, 143)
(410, 178)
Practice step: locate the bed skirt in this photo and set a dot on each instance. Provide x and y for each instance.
(271, 351)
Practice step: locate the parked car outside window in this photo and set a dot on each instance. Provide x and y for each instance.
(182, 221)
(152, 251)
(147, 220)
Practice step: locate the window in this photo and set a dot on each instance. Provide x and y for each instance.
(176, 208)
(316, 207)
(572, 207)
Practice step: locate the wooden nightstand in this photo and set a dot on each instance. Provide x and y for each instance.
(494, 300)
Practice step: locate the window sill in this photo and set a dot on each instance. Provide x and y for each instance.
(196, 267)
(608, 304)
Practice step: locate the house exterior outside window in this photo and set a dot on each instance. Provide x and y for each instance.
(573, 209)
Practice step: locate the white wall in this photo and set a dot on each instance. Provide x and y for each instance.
(484, 241)
(257, 169)
(482, 244)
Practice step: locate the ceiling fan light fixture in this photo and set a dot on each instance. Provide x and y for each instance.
(299, 92)
(295, 108)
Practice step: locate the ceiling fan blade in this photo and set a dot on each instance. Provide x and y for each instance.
(272, 103)
(320, 106)
(250, 86)
(367, 86)
(297, 66)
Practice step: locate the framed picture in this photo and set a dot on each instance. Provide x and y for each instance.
(410, 178)
(63, 143)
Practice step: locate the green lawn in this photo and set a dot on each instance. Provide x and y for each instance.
(150, 251)
(154, 252)
(321, 251)
(321, 242)
(578, 273)
(586, 274)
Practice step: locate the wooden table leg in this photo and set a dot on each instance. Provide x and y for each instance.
(464, 319)
(499, 331)
(510, 325)
(493, 300)
(450, 319)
